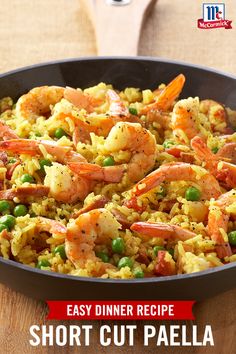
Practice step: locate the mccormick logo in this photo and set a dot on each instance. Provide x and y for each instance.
(213, 17)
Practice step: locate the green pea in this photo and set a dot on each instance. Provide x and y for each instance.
(171, 252)
(133, 111)
(215, 149)
(20, 210)
(156, 249)
(37, 134)
(108, 161)
(104, 256)
(12, 160)
(125, 262)
(118, 245)
(59, 133)
(167, 144)
(138, 273)
(232, 238)
(3, 227)
(61, 251)
(192, 194)
(27, 178)
(43, 163)
(4, 205)
(43, 263)
(162, 192)
(8, 220)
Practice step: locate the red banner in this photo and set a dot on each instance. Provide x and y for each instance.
(214, 24)
(120, 310)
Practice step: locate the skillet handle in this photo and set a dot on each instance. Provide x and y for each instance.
(118, 28)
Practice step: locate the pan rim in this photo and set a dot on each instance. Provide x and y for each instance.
(129, 58)
(162, 279)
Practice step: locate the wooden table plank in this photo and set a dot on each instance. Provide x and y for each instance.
(19, 312)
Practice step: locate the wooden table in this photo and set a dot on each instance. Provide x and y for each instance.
(18, 313)
(35, 31)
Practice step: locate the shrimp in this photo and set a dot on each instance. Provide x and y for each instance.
(216, 114)
(116, 106)
(129, 137)
(203, 153)
(90, 171)
(84, 123)
(228, 151)
(25, 194)
(100, 125)
(6, 132)
(81, 134)
(51, 226)
(162, 230)
(185, 120)
(167, 96)
(90, 229)
(218, 218)
(64, 185)
(118, 112)
(62, 154)
(176, 171)
(37, 102)
(80, 99)
(222, 170)
(98, 201)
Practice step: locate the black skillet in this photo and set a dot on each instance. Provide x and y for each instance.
(121, 72)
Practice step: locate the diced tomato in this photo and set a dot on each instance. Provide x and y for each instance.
(164, 267)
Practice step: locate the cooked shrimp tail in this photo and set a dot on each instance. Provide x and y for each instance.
(162, 230)
(62, 154)
(97, 203)
(116, 106)
(201, 149)
(95, 172)
(80, 99)
(168, 95)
